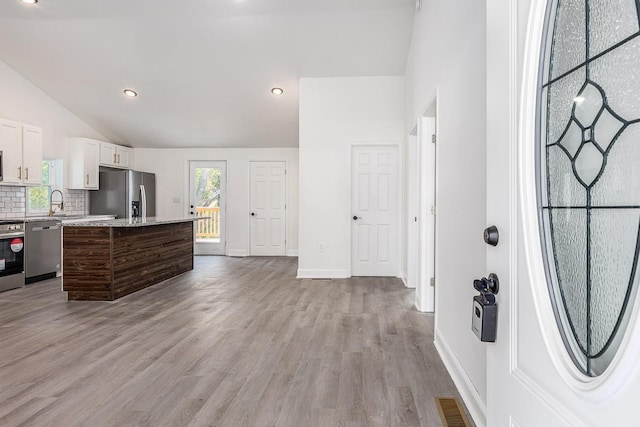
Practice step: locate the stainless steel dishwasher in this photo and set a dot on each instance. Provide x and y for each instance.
(43, 249)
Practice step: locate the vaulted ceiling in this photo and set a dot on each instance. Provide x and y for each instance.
(203, 68)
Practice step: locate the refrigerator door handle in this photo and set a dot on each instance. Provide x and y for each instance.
(143, 201)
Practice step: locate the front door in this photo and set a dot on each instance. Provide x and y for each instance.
(207, 196)
(374, 206)
(560, 191)
(268, 208)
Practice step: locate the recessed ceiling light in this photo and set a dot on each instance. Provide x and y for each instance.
(130, 93)
(30, 1)
(277, 91)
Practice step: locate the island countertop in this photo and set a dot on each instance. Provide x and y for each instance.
(130, 223)
(66, 219)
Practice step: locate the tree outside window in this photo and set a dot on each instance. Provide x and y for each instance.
(38, 197)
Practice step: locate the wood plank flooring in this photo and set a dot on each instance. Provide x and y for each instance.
(235, 342)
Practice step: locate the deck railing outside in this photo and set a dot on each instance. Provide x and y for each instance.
(208, 228)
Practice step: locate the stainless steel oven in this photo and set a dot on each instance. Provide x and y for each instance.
(11, 255)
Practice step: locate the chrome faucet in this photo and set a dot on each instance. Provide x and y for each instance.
(60, 204)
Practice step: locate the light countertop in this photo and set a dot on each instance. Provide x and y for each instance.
(124, 222)
(67, 218)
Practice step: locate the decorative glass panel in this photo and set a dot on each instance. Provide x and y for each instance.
(588, 175)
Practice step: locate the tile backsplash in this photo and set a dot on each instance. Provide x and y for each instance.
(13, 202)
(75, 202)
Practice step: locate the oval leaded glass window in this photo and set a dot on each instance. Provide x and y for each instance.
(589, 171)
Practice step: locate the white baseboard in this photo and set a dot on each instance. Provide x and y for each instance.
(477, 408)
(323, 274)
(292, 252)
(405, 280)
(421, 305)
(237, 252)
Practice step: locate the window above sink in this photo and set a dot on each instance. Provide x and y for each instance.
(37, 198)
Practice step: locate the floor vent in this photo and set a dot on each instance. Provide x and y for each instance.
(451, 412)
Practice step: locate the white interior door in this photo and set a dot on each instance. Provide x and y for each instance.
(425, 291)
(412, 210)
(268, 208)
(533, 378)
(207, 200)
(374, 202)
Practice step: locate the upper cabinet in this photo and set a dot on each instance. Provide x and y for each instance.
(32, 155)
(83, 164)
(21, 147)
(115, 156)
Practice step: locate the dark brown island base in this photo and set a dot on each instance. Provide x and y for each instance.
(104, 261)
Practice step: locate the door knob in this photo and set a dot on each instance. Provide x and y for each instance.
(253, 214)
(355, 217)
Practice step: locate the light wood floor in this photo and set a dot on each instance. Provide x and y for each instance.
(234, 342)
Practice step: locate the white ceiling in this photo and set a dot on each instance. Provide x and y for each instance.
(203, 68)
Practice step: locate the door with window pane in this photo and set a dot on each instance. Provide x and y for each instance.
(207, 194)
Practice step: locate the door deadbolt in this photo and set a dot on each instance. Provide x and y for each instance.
(491, 235)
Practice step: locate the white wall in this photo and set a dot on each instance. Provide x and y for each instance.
(23, 102)
(171, 167)
(334, 113)
(447, 57)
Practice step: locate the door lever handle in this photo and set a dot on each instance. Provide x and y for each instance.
(490, 285)
(355, 217)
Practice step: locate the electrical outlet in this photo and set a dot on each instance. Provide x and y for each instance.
(322, 246)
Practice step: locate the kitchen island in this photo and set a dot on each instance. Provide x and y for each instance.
(106, 260)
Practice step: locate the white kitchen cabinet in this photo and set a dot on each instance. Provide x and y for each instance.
(115, 156)
(124, 156)
(31, 155)
(21, 147)
(83, 160)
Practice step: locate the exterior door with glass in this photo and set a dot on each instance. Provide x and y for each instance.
(207, 198)
(562, 141)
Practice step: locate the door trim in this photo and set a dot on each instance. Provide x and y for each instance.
(399, 180)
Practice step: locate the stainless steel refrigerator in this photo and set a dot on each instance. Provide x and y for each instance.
(124, 193)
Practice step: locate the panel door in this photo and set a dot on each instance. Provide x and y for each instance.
(268, 208)
(375, 201)
(11, 147)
